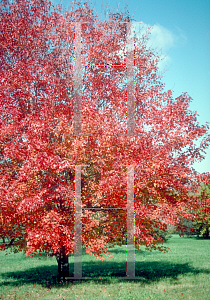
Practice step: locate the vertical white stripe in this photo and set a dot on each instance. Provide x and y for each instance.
(78, 225)
(78, 82)
(130, 264)
(130, 80)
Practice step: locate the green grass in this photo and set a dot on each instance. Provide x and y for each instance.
(182, 273)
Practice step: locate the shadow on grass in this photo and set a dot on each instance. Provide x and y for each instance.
(106, 273)
(200, 238)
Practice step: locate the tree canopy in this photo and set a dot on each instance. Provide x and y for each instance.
(39, 148)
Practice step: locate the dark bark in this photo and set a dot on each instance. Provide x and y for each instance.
(63, 264)
(206, 233)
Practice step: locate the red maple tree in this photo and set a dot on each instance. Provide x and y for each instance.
(39, 148)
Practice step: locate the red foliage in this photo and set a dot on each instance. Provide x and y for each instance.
(38, 149)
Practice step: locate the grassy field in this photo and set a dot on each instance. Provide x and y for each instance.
(182, 273)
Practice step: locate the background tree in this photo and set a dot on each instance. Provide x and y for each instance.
(39, 148)
(202, 220)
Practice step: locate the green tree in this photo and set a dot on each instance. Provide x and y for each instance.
(202, 221)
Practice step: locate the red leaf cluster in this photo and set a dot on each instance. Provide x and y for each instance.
(38, 148)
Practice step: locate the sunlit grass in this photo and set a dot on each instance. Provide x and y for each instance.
(182, 273)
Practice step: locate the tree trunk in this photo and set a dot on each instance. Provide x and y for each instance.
(63, 264)
(206, 234)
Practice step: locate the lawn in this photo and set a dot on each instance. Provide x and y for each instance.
(182, 273)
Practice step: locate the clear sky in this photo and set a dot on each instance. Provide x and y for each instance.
(182, 33)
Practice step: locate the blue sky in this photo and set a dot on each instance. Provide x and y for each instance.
(181, 32)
